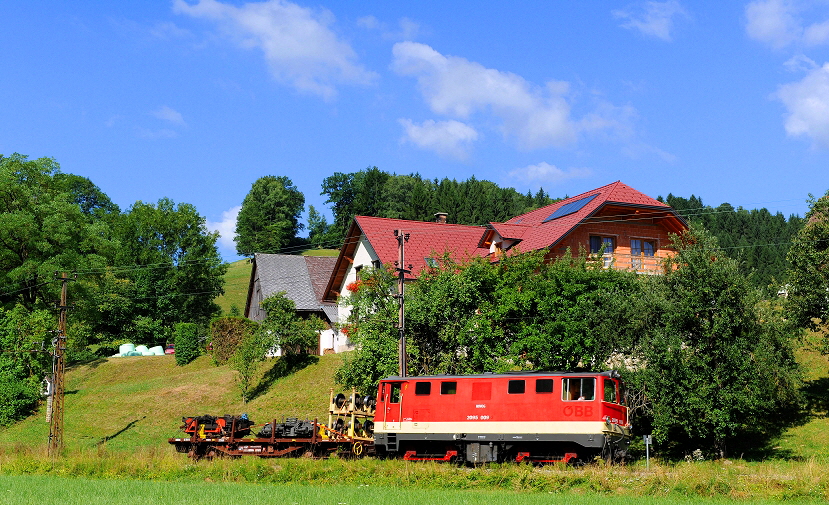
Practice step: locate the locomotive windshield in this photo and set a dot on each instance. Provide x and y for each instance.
(578, 388)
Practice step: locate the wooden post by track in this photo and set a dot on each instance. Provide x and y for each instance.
(58, 373)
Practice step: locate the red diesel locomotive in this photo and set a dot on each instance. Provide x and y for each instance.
(516, 416)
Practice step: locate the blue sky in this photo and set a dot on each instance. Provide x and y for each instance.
(195, 100)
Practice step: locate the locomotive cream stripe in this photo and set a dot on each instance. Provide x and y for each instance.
(506, 428)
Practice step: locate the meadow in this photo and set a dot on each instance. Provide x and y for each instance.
(38, 490)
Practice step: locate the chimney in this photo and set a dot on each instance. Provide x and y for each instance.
(440, 217)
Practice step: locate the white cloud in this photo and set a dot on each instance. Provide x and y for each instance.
(807, 103)
(450, 139)
(653, 19)
(772, 22)
(226, 227)
(639, 150)
(799, 63)
(166, 113)
(780, 23)
(407, 29)
(544, 172)
(298, 43)
(453, 86)
(369, 23)
(816, 34)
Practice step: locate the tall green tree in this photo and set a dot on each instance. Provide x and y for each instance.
(269, 218)
(44, 228)
(173, 265)
(807, 303)
(756, 238)
(715, 362)
(320, 233)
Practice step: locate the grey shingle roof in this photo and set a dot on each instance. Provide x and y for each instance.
(296, 276)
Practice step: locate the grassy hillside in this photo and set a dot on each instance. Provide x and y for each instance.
(237, 279)
(321, 252)
(128, 403)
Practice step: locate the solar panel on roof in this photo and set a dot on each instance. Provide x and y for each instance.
(566, 210)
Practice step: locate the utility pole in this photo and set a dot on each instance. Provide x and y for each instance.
(58, 371)
(402, 238)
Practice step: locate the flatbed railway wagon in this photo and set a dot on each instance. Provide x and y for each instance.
(516, 416)
(348, 433)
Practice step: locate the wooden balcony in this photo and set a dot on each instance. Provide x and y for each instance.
(649, 265)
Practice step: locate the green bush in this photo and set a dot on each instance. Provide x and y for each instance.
(187, 343)
(226, 333)
(19, 397)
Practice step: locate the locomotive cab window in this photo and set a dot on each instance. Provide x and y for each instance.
(578, 388)
(544, 385)
(448, 388)
(610, 391)
(516, 387)
(394, 393)
(423, 388)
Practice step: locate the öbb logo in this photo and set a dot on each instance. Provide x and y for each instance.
(578, 410)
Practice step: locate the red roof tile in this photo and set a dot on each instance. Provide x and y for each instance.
(544, 234)
(426, 240)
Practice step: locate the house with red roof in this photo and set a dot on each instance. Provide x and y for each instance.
(629, 229)
(371, 243)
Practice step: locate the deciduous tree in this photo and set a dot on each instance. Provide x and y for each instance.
(807, 303)
(269, 218)
(715, 362)
(173, 264)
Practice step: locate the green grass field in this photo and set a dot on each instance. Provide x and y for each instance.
(39, 490)
(237, 279)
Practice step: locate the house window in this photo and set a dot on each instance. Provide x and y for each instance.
(581, 388)
(605, 245)
(358, 268)
(376, 264)
(639, 250)
(431, 262)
